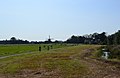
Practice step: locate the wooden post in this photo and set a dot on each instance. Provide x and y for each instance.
(48, 47)
(40, 48)
(51, 47)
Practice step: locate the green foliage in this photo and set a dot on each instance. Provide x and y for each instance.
(114, 39)
(99, 52)
(114, 51)
(94, 38)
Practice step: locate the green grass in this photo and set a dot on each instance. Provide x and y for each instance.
(23, 48)
(59, 60)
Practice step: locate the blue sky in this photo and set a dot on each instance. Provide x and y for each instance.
(37, 19)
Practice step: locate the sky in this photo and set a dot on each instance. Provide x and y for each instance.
(37, 19)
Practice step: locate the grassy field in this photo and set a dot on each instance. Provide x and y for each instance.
(23, 48)
(62, 62)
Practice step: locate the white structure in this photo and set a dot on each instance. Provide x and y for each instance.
(105, 55)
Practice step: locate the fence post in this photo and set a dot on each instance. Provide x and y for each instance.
(40, 48)
(51, 47)
(48, 47)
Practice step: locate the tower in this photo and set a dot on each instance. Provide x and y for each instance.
(49, 39)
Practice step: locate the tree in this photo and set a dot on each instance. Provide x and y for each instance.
(13, 39)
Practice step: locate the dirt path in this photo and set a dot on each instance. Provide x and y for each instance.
(98, 69)
(3, 57)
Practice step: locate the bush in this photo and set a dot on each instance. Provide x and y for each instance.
(114, 51)
(100, 52)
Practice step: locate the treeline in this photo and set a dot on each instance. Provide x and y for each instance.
(96, 38)
(13, 40)
(114, 38)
